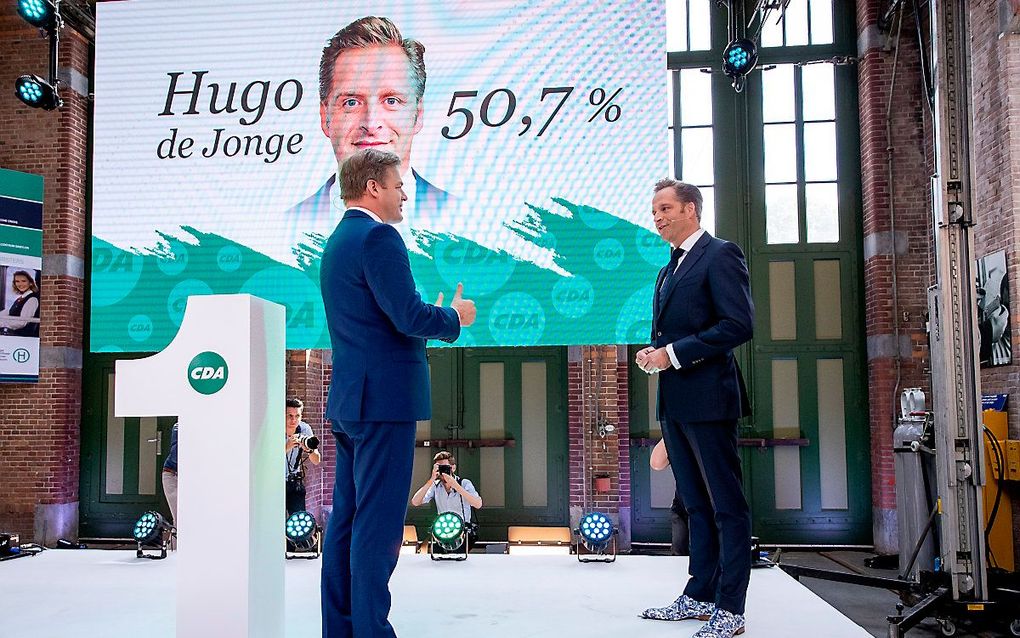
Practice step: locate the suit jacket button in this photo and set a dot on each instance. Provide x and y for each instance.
(658, 334)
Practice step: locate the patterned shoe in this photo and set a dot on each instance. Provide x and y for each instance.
(683, 608)
(722, 624)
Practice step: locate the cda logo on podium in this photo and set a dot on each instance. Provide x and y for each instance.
(207, 372)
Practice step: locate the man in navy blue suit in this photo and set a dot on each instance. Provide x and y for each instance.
(371, 84)
(378, 325)
(701, 311)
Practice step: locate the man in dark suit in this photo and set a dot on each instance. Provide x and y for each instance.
(378, 325)
(702, 310)
(371, 84)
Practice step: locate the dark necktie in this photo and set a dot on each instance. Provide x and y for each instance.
(674, 259)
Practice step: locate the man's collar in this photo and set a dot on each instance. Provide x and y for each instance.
(367, 212)
(688, 243)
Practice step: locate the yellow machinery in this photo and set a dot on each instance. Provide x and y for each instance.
(1000, 538)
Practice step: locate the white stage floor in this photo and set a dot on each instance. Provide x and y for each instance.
(112, 594)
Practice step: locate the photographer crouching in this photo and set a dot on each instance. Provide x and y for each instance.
(450, 492)
(302, 444)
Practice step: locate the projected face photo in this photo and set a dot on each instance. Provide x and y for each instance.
(373, 103)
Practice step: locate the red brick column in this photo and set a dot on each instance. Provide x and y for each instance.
(598, 397)
(898, 265)
(40, 423)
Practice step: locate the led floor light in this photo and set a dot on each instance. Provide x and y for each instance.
(597, 536)
(152, 531)
(450, 533)
(304, 537)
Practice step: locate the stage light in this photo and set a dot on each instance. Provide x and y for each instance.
(152, 530)
(36, 92)
(448, 530)
(301, 530)
(149, 528)
(38, 13)
(596, 529)
(598, 536)
(739, 58)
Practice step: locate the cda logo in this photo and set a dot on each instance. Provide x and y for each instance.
(207, 373)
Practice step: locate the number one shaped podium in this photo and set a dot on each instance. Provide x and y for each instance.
(223, 376)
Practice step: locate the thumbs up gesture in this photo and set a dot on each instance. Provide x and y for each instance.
(464, 307)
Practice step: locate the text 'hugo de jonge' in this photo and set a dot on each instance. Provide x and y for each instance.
(251, 101)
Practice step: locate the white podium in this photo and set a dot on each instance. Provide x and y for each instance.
(224, 376)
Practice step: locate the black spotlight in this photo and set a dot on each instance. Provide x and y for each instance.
(739, 58)
(304, 536)
(598, 538)
(449, 533)
(32, 89)
(37, 92)
(154, 532)
(38, 13)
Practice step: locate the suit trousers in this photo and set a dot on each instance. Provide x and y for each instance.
(373, 478)
(706, 466)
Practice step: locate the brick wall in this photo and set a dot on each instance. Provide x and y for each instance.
(995, 80)
(39, 424)
(896, 230)
(995, 71)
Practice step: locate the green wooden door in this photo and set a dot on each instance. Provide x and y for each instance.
(121, 458)
(518, 394)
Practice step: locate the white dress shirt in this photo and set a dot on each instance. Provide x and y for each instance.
(686, 245)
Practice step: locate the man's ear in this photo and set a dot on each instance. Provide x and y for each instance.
(324, 118)
(419, 121)
(372, 188)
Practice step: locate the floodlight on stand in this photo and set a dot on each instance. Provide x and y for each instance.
(304, 537)
(597, 535)
(739, 58)
(37, 92)
(450, 533)
(154, 532)
(39, 13)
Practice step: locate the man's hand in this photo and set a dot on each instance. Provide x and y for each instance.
(642, 356)
(291, 442)
(651, 360)
(464, 307)
(448, 480)
(435, 469)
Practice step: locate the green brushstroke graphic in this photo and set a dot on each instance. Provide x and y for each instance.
(138, 296)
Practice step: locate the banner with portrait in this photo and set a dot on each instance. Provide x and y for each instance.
(531, 134)
(21, 212)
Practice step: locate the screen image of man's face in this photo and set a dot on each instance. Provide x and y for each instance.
(372, 103)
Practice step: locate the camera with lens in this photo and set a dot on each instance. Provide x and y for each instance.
(308, 441)
(446, 469)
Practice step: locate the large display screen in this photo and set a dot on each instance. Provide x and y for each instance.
(531, 134)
